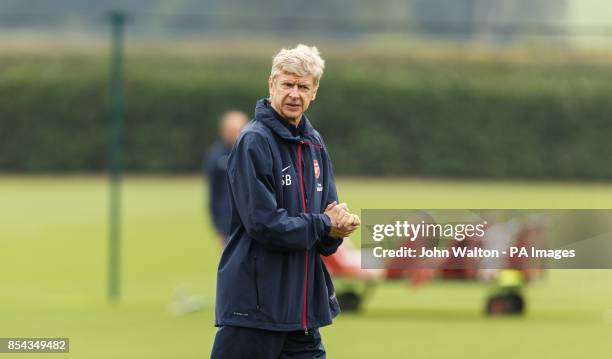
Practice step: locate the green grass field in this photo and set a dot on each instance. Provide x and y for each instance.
(53, 251)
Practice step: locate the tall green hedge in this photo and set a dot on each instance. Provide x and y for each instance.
(379, 116)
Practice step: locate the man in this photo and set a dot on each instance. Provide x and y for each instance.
(273, 290)
(230, 125)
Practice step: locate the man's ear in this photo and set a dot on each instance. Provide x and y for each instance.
(270, 83)
(314, 94)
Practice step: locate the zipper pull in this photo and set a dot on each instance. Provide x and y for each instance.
(305, 331)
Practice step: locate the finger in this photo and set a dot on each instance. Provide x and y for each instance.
(347, 221)
(340, 211)
(342, 217)
(336, 217)
(343, 205)
(356, 220)
(350, 220)
(331, 205)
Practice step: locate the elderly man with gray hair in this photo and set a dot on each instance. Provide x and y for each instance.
(273, 289)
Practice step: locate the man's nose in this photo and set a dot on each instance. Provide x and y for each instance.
(294, 91)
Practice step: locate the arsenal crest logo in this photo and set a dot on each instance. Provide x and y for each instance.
(317, 171)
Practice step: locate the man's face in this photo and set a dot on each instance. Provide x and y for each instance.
(290, 95)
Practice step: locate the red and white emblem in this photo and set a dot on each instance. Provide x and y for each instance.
(317, 171)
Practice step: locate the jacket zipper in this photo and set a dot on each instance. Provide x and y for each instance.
(305, 309)
(257, 285)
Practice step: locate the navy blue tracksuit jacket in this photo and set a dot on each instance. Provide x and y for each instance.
(271, 275)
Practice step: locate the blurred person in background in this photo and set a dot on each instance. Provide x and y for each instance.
(273, 289)
(215, 166)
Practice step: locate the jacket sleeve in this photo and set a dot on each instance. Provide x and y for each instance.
(252, 187)
(329, 245)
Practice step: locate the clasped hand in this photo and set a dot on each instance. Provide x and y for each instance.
(343, 222)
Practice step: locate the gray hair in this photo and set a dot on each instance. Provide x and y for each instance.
(301, 61)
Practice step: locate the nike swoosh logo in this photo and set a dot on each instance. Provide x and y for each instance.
(284, 169)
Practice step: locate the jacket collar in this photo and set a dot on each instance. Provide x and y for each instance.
(269, 117)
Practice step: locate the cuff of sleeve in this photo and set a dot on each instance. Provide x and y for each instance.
(326, 225)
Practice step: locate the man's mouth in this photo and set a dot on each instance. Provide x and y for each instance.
(293, 105)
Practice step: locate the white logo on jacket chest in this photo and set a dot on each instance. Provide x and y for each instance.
(285, 177)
